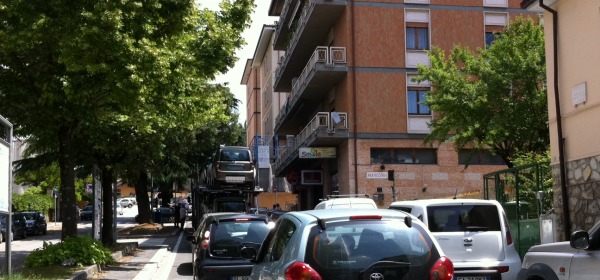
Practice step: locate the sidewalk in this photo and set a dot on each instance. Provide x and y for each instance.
(143, 259)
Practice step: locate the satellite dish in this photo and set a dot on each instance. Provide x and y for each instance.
(336, 117)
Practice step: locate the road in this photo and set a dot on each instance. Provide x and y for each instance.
(20, 248)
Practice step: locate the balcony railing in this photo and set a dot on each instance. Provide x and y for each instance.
(329, 121)
(329, 56)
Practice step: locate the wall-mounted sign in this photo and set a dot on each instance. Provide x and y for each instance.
(579, 94)
(312, 177)
(263, 156)
(377, 175)
(293, 177)
(5, 165)
(317, 152)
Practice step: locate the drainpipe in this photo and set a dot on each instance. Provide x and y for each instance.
(354, 117)
(561, 148)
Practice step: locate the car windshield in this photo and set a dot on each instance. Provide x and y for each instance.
(87, 208)
(235, 155)
(347, 249)
(231, 206)
(225, 237)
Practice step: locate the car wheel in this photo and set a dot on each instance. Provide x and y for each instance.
(36, 231)
(45, 230)
(130, 205)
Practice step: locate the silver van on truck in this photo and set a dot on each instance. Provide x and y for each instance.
(474, 234)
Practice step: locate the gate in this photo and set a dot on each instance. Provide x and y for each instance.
(525, 193)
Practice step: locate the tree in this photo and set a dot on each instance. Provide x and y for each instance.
(495, 99)
(66, 64)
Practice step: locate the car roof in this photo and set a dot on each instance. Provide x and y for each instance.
(445, 201)
(238, 216)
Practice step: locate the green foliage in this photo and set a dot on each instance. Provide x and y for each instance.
(528, 184)
(32, 202)
(494, 99)
(83, 250)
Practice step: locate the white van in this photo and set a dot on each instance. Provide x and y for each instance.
(345, 202)
(474, 234)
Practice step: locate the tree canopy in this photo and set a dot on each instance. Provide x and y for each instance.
(493, 98)
(106, 78)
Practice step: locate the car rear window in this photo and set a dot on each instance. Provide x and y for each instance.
(225, 237)
(347, 249)
(453, 218)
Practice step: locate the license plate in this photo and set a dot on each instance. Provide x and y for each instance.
(234, 179)
(471, 278)
(239, 278)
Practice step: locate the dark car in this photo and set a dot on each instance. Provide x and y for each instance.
(86, 213)
(231, 167)
(215, 244)
(36, 223)
(19, 226)
(167, 214)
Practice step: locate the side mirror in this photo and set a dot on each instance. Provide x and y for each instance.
(580, 240)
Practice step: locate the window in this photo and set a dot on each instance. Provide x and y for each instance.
(478, 157)
(489, 38)
(417, 38)
(280, 240)
(403, 156)
(416, 98)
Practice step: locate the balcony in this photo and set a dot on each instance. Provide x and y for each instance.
(324, 130)
(324, 70)
(302, 26)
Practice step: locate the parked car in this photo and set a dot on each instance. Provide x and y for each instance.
(345, 201)
(576, 259)
(86, 213)
(19, 226)
(119, 209)
(349, 244)
(126, 202)
(167, 214)
(231, 167)
(474, 233)
(36, 223)
(215, 252)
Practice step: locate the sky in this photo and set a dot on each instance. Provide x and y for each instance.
(234, 76)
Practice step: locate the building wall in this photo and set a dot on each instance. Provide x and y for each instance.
(373, 93)
(253, 101)
(578, 63)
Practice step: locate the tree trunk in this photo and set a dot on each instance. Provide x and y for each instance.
(108, 237)
(141, 194)
(67, 212)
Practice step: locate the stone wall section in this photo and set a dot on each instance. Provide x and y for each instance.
(583, 185)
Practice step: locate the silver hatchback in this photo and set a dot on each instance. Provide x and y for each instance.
(349, 244)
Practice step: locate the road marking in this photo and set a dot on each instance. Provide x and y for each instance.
(165, 269)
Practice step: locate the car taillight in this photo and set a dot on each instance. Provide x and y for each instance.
(509, 239)
(301, 271)
(443, 269)
(205, 240)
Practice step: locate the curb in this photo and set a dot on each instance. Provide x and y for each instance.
(89, 271)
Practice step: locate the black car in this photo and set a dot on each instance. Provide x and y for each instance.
(86, 213)
(19, 226)
(36, 222)
(215, 244)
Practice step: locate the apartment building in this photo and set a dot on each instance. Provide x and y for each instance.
(262, 107)
(352, 121)
(572, 36)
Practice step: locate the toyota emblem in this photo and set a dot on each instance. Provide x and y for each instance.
(376, 276)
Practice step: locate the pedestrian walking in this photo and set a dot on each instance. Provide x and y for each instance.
(182, 216)
(176, 215)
